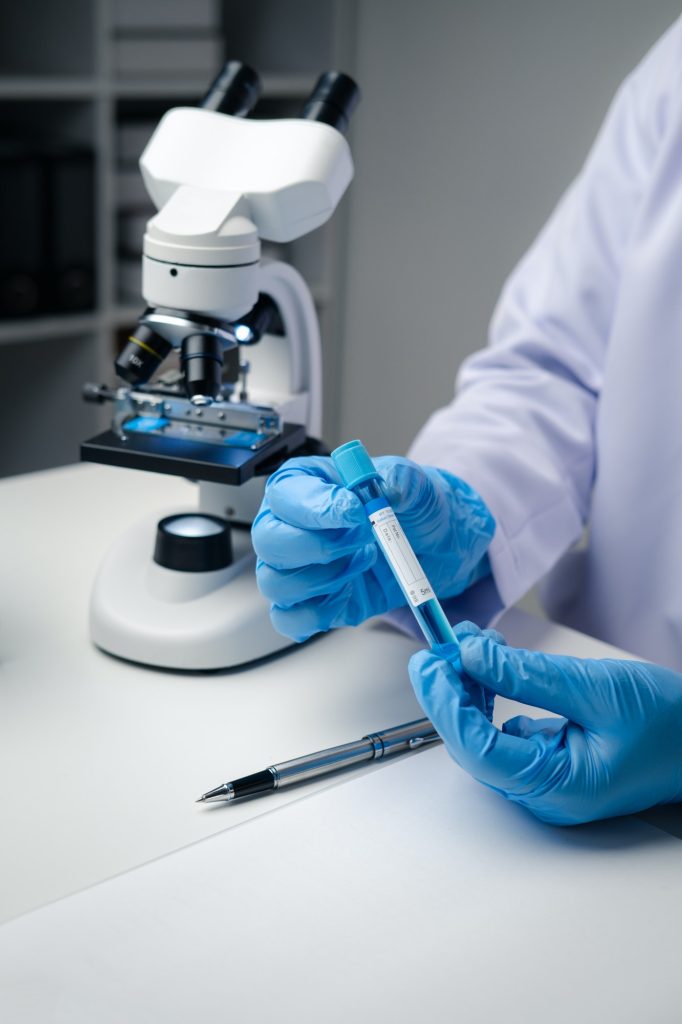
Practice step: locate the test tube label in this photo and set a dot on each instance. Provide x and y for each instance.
(398, 550)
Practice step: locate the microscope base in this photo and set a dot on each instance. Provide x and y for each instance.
(197, 621)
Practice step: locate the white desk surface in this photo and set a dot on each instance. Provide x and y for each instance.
(102, 761)
(411, 894)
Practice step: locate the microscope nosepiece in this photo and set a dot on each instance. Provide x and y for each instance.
(201, 358)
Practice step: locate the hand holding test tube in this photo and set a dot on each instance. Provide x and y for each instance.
(318, 562)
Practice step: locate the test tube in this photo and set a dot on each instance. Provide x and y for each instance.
(359, 474)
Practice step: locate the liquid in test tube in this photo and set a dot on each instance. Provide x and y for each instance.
(360, 475)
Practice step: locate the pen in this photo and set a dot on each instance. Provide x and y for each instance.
(373, 747)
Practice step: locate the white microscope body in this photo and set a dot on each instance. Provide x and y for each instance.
(221, 184)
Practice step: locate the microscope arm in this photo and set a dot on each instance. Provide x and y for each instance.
(291, 295)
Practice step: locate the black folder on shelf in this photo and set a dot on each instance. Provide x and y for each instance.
(23, 208)
(71, 249)
(47, 230)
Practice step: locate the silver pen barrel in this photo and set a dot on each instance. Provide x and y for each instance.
(322, 762)
(402, 738)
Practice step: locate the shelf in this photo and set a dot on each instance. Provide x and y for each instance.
(58, 325)
(158, 88)
(274, 87)
(58, 84)
(57, 87)
(54, 87)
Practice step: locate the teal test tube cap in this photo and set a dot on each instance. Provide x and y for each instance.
(354, 464)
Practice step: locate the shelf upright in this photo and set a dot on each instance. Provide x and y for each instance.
(57, 71)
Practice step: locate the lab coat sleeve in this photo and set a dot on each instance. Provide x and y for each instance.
(521, 429)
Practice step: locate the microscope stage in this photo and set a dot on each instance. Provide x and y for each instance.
(193, 459)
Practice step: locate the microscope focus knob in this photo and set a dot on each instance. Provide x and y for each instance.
(193, 542)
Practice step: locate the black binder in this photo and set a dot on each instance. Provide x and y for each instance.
(71, 248)
(23, 210)
(47, 230)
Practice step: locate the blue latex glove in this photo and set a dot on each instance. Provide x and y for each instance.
(481, 697)
(617, 751)
(318, 563)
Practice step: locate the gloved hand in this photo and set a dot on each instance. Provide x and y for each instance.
(617, 751)
(481, 697)
(318, 563)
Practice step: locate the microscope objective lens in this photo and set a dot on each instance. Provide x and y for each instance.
(201, 357)
(143, 353)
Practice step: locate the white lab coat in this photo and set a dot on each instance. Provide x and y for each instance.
(573, 414)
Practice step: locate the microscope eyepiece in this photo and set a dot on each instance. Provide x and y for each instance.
(143, 353)
(333, 100)
(201, 359)
(234, 90)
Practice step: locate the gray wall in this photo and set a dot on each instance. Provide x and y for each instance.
(475, 117)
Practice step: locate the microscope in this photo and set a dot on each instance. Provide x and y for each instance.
(180, 592)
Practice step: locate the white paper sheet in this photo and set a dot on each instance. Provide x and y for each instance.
(409, 893)
(102, 760)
